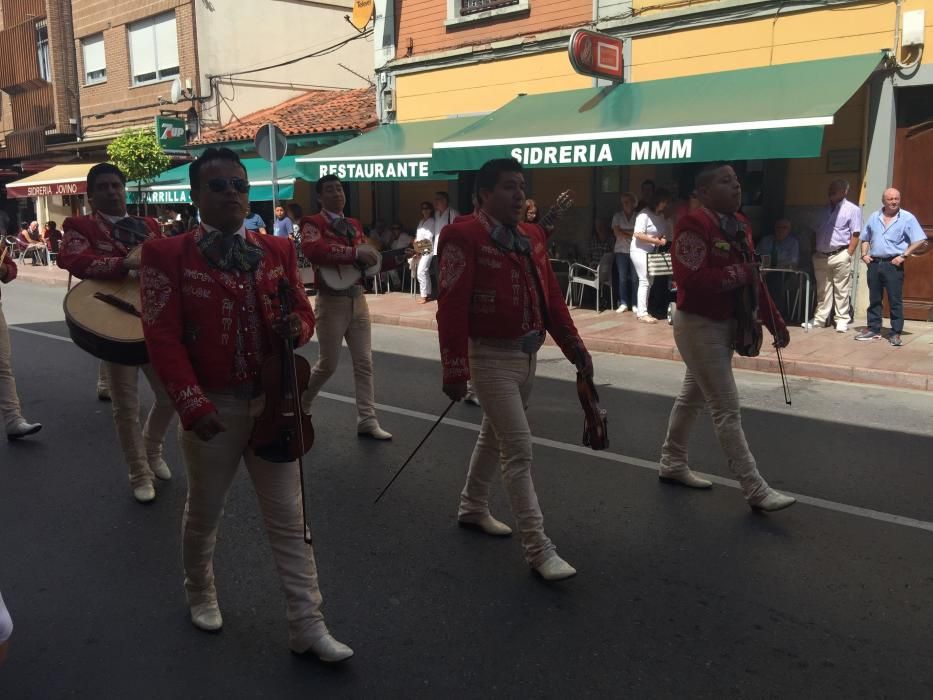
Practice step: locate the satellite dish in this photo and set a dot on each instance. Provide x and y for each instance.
(176, 91)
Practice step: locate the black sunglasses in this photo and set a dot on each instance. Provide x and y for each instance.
(220, 184)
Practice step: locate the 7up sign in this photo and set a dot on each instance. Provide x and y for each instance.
(171, 133)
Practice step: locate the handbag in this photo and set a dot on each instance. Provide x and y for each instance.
(660, 264)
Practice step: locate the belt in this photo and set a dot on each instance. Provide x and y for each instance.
(529, 343)
(832, 252)
(889, 259)
(353, 292)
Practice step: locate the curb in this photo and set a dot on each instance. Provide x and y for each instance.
(768, 364)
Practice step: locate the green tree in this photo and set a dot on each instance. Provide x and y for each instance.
(139, 155)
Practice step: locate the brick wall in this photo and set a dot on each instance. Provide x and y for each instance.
(112, 106)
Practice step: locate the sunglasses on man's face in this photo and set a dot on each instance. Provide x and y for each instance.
(220, 184)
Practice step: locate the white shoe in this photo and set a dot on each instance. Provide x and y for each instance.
(374, 432)
(555, 569)
(773, 501)
(807, 326)
(145, 493)
(328, 649)
(622, 309)
(842, 326)
(686, 478)
(161, 470)
(486, 523)
(21, 429)
(206, 616)
(471, 398)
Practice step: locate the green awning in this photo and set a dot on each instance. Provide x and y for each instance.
(172, 186)
(748, 114)
(389, 152)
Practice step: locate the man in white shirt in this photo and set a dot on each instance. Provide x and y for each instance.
(623, 226)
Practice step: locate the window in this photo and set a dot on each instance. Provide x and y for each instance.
(467, 11)
(42, 47)
(153, 49)
(95, 62)
(469, 7)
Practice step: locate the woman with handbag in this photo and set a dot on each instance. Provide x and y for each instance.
(651, 229)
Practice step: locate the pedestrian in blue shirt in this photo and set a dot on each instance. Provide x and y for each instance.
(254, 222)
(891, 235)
(282, 226)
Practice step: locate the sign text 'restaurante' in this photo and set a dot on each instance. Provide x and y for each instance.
(376, 170)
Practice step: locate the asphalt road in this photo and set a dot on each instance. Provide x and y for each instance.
(680, 594)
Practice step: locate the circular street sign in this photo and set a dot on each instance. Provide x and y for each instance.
(264, 144)
(362, 13)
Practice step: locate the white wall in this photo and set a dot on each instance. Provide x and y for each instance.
(235, 35)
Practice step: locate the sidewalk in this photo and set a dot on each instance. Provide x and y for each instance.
(821, 353)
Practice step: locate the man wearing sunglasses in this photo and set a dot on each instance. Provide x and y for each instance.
(211, 319)
(99, 246)
(330, 238)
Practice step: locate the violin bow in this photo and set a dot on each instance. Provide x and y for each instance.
(415, 451)
(777, 350)
(296, 409)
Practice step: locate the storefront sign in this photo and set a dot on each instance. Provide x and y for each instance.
(159, 196)
(596, 54)
(796, 142)
(54, 189)
(375, 169)
(171, 133)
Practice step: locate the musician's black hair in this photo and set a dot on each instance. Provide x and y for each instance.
(708, 172)
(319, 185)
(212, 153)
(488, 175)
(103, 169)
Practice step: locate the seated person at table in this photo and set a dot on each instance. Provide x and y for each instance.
(784, 249)
(782, 246)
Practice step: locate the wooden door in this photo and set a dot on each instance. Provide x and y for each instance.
(913, 176)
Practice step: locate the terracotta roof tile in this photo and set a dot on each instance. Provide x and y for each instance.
(316, 111)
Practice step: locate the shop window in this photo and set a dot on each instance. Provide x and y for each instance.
(42, 47)
(465, 11)
(95, 62)
(153, 49)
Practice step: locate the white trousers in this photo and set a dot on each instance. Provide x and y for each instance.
(338, 319)
(142, 446)
(211, 467)
(424, 275)
(9, 399)
(502, 379)
(706, 347)
(833, 281)
(640, 263)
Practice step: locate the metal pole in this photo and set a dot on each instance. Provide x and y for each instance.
(275, 174)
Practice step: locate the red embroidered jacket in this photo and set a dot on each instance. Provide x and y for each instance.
(323, 246)
(485, 292)
(190, 312)
(89, 251)
(11, 270)
(708, 269)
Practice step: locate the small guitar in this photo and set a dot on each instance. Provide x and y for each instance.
(339, 277)
(563, 202)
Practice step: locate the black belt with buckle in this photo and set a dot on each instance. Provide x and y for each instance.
(833, 252)
(353, 292)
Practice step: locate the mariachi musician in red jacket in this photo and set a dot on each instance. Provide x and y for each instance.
(498, 298)
(10, 411)
(210, 315)
(98, 246)
(330, 238)
(713, 268)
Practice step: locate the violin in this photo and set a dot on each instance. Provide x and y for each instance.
(596, 421)
(283, 432)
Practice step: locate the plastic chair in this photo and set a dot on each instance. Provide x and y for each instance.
(583, 276)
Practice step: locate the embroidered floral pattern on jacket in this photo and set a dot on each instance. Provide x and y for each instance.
(690, 249)
(155, 289)
(453, 263)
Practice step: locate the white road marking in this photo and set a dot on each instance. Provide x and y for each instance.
(653, 466)
(857, 511)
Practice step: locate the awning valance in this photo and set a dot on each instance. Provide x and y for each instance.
(753, 113)
(66, 179)
(389, 152)
(172, 186)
